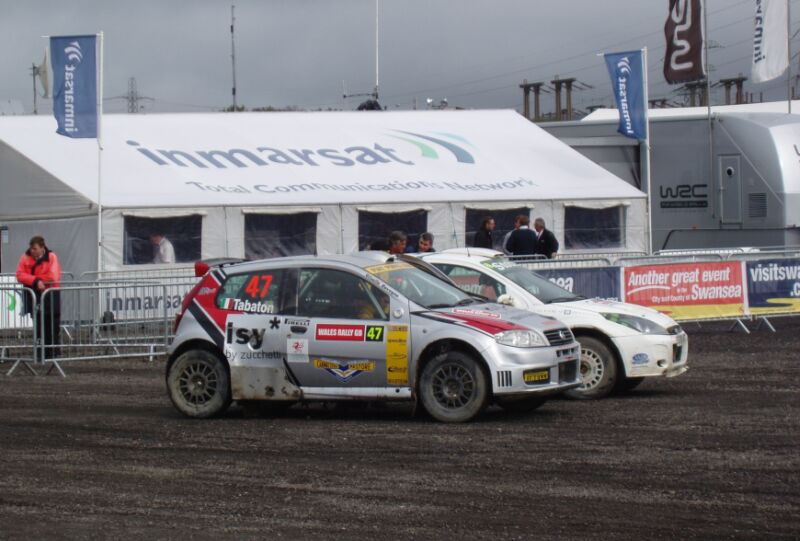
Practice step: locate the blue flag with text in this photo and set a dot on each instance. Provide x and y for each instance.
(74, 60)
(627, 78)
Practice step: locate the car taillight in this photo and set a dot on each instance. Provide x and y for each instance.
(200, 268)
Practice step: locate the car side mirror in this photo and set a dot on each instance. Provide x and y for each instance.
(506, 299)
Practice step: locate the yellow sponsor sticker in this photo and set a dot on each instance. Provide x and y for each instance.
(536, 376)
(397, 355)
(362, 366)
(388, 267)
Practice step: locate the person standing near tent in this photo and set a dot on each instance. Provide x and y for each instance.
(39, 270)
(424, 244)
(483, 236)
(517, 222)
(397, 242)
(546, 242)
(522, 240)
(164, 252)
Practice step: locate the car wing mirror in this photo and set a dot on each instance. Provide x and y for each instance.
(507, 299)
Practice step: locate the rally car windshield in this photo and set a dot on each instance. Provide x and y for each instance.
(420, 287)
(538, 286)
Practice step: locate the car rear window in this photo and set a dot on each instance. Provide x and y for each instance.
(257, 292)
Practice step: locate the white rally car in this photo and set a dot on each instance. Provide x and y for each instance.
(621, 343)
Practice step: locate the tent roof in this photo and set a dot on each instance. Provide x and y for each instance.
(315, 158)
(674, 112)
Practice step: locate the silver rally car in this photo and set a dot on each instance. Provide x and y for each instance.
(370, 327)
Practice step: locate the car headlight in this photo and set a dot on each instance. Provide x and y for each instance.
(640, 324)
(521, 339)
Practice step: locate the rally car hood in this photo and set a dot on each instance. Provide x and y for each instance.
(602, 306)
(492, 318)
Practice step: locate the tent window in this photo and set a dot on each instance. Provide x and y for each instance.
(374, 227)
(184, 234)
(276, 235)
(594, 228)
(504, 223)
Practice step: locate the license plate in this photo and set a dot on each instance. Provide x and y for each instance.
(532, 377)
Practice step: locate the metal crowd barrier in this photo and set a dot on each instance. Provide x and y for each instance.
(593, 255)
(666, 260)
(17, 332)
(106, 321)
(559, 263)
(11, 277)
(88, 321)
(172, 272)
(776, 254)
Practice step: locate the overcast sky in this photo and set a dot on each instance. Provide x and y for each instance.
(297, 53)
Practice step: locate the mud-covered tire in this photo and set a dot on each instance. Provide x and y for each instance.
(628, 384)
(598, 370)
(453, 388)
(524, 405)
(198, 384)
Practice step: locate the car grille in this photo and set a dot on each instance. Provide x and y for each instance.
(677, 352)
(558, 337)
(567, 371)
(504, 378)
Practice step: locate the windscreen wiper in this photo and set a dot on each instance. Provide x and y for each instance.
(566, 299)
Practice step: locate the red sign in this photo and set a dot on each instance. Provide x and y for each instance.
(688, 290)
(353, 333)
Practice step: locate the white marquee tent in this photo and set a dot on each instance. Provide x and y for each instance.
(221, 168)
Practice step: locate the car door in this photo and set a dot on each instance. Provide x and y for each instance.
(345, 341)
(250, 303)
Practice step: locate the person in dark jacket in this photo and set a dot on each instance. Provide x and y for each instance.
(397, 242)
(483, 236)
(39, 270)
(546, 242)
(424, 244)
(522, 240)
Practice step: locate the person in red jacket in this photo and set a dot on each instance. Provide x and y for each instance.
(39, 270)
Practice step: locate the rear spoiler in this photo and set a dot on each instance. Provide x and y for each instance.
(202, 267)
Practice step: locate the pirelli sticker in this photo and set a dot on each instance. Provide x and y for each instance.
(397, 355)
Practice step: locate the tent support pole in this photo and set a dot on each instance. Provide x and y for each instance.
(100, 264)
(648, 187)
(341, 230)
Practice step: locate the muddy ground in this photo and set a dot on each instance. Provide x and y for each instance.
(711, 454)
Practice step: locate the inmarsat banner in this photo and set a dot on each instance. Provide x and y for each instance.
(627, 77)
(770, 40)
(74, 60)
(683, 61)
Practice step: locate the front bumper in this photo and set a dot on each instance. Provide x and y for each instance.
(654, 355)
(528, 371)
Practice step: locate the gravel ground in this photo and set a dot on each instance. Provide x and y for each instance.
(710, 454)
